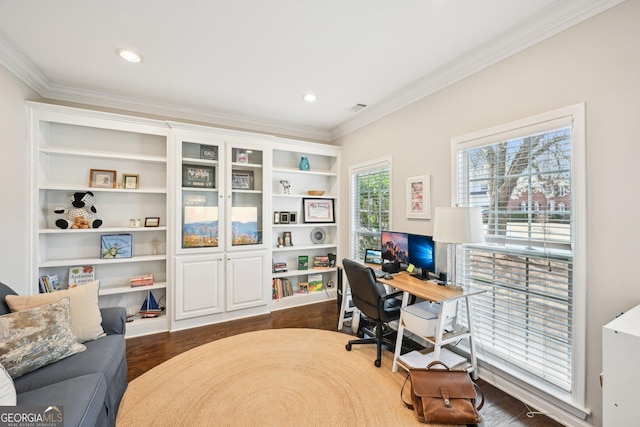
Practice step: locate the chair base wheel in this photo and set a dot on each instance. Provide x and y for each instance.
(348, 347)
(377, 363)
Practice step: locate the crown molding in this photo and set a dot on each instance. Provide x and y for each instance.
(65, 93)
(548, 24)
(556, 18)
(15, 61)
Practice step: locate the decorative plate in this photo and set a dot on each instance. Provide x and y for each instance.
(318, 235)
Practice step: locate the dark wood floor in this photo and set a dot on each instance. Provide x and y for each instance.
(143, 353)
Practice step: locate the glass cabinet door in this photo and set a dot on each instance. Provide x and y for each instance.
(201, 213)
(246, 195)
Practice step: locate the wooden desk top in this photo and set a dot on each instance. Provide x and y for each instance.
(428, 290)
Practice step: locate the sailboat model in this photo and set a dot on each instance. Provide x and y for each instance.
(150, 307)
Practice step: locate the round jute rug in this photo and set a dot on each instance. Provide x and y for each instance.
(276, 377)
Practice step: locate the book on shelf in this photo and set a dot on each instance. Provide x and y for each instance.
(48, 283)
(81, 275)
(321, 261)
(315, 282)
(145, 280)
(281, 288)
(303, 262)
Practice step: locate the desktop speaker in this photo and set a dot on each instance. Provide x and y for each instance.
(391, 267)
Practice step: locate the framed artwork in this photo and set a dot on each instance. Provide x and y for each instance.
(208, 152)
(284, 217)
(101, 178)
(116, 246)
(198, 176)
(152, 221)
(318, 210)
(130, 181)
(418, 197)
(200, 227)
(242, 180)
(286, 238)
(276, 217)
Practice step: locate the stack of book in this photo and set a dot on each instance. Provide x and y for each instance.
(281, 288)
(146, 280)
(49, 283)
(321, 262)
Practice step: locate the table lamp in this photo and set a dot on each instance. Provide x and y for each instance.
(456, 225)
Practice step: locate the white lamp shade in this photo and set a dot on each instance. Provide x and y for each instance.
(458, 225)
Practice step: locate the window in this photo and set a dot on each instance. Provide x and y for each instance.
(370, 210)
(530, 320)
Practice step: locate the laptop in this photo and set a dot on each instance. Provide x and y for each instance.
(374, 256)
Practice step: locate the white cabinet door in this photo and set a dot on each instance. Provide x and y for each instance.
(199, 290)
(246, 278)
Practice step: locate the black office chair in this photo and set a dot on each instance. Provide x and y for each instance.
(371, 298)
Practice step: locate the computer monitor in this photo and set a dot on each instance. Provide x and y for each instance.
(422, 253)
(395, 247)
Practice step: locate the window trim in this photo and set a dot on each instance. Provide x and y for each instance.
(575, 113)
(378, 163)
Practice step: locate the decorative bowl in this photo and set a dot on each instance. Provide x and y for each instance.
(315, 192)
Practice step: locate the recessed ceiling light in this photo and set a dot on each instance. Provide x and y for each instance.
(309, 97)
(128, 55)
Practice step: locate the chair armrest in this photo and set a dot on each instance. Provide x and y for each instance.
(114, 320)
(392, 295)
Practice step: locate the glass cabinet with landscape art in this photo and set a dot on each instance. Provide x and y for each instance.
(221, 260)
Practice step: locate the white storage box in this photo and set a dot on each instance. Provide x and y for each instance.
(421, 318)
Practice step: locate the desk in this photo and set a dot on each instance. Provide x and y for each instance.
(441, 294)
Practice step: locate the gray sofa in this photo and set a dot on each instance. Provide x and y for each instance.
(90, 384)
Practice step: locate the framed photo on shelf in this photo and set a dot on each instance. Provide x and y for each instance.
(152, 221)
(101, 178)
(116, 246)
(284, 217)
(276, 217)
(418, 197)
(208, 152)
(130, 181)
(286, 238)
(318, 210)
(198, 176)
(242, 180)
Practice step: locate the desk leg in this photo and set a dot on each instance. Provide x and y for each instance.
(342, 288)
(398, 349)
(472, 342)
(439, 333)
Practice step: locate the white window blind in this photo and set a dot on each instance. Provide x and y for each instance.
(524, 179)
(370, 205)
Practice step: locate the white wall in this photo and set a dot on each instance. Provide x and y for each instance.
(14, 181)
(596, 62)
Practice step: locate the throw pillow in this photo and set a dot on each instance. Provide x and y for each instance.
(86, 319)
(31, 339)
(8, 395)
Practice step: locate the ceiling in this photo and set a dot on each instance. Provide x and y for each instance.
(247, 63)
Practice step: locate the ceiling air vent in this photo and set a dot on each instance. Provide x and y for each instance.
(357, 108)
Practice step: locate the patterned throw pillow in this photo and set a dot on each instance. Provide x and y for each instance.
(37, 337)
(86, 319)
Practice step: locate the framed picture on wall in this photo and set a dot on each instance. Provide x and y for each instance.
(318, 210)
(418, 197)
